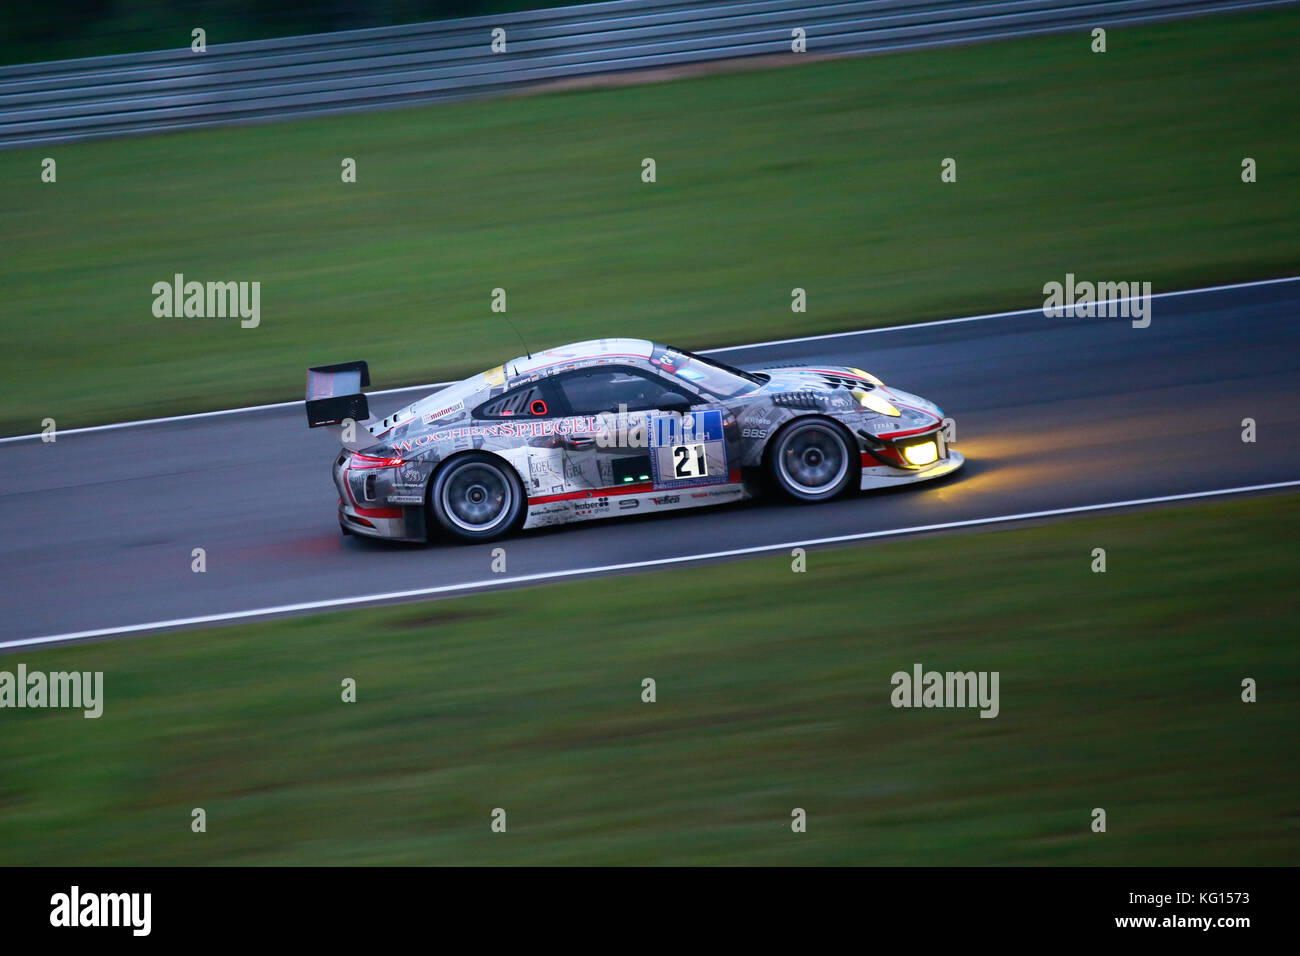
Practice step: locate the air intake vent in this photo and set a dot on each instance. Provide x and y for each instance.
(805, 398)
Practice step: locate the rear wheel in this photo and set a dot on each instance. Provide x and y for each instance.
(810, 460)
(478, 497)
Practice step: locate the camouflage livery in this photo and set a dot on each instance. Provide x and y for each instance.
(613, 427)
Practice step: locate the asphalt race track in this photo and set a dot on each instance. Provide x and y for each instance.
(97, 528)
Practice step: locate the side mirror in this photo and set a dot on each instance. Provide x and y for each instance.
(674, 402)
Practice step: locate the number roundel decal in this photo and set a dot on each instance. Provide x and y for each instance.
(688, 450)
(689, 461)
(538, 407)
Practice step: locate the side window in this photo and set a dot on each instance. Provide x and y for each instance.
(605, 388)
(529, 401)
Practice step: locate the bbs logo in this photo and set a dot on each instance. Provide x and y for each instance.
(753, 433)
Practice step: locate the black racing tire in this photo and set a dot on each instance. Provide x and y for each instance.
(812, 459)
(478, 497)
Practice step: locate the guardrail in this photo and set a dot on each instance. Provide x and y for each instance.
(425, 62)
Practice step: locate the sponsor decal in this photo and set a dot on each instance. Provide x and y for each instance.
(406, 499)
(495, 376)
(668, 360)
(590, 506)
(543, 474)
(442, 412)
(518, 429)
(753, 433)
(671, 499)
(627, 504)
(701, 426)
(412, 473)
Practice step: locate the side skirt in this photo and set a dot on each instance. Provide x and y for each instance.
(616, 502)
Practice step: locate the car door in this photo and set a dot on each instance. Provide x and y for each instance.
(652, 432)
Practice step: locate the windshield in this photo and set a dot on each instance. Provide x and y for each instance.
(717, 379)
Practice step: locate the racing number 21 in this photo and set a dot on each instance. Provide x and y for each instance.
(688, 461)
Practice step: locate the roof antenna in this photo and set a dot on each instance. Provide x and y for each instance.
(521, 338)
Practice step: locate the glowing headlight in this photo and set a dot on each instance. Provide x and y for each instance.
(875, 403)
(867, 375)
(921, 454)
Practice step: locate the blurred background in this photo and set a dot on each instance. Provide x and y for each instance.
(775, 170)
(80, 28)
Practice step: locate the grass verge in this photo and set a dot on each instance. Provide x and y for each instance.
(1118, 690)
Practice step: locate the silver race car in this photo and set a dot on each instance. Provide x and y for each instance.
(614, 427)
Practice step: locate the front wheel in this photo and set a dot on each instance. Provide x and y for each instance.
(811, 460)
(478, 497)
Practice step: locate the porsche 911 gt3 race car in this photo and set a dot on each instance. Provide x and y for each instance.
(614, 427)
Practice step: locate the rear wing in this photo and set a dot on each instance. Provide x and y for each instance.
(334, 394)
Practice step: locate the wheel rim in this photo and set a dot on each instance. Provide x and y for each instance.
(477, 497)
(814, 459)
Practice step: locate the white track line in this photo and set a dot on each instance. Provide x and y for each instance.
(626, 566)
(728, 348)
(988, 315)
(195, 415)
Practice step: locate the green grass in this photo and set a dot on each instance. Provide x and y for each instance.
(1118, 690)
(825, 176)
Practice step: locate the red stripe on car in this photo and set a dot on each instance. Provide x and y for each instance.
(643, 487)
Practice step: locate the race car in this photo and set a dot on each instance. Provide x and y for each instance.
(614, 427)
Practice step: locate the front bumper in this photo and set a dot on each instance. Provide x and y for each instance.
(876, 475)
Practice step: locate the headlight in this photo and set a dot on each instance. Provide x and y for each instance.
(922, 454)
(867, 375)
(875, 403)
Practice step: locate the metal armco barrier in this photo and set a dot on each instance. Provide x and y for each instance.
(426, 62)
